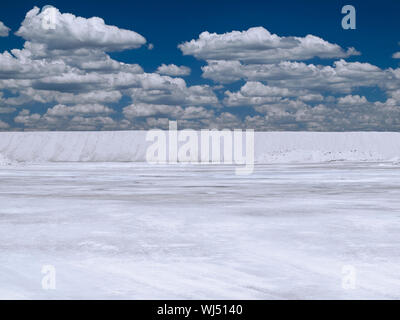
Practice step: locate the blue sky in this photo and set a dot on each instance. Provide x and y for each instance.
(263, 101)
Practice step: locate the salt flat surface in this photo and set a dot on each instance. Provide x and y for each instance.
(138, 231)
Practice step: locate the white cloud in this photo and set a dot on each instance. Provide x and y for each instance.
(309, 97)
(290, 94)
(3, 125)
(70, 32)
(341, 76)
(396, 55)
(68, 68)
(29, 95)
(26, 118)
(173, 93)
(254, 88)
(173, 112)
(146, 110)
(258, 45)
(61, 110)
(352, 100)
(59, 117)
(92, 123)
(173, 70)
(4, 30)
(5, 110)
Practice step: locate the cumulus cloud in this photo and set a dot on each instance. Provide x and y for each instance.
(295, 115)
(65, 31)
(258, 45)
(298, 109)
(68, 118)
(5, 110)
(254, 88)
(65, 65)
(396, 55)
(352, 100)
(4, 30)
(341, 76)
(3, 125)
(65, 68)
(61, 110)
(146, 110)
(174, 112)
(173, 93)
(286, 92)
(173, 70)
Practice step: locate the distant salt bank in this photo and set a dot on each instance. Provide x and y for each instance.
(131, 146)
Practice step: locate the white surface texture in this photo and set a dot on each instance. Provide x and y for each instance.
(136, 231)
(127, 146)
